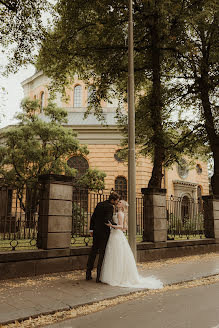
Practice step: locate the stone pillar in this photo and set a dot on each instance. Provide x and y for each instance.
(55, 212)
(211, 216)
(155, 215)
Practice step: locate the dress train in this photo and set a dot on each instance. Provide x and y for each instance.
(119, 266)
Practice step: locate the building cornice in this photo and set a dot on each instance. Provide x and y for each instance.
(92, 134)
(93, 128)
(185, 183)
(98, 135)
(33, 77)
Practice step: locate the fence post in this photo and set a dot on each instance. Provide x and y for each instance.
(55, 212)
(211, 216)
(154, 215)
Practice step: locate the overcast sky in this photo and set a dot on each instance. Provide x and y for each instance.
(14, 95)
(12, 84)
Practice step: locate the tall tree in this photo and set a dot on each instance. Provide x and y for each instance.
(38, 146)
(90, 39)
(198, 64)
(21, 30)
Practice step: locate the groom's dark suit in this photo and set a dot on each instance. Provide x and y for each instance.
(102, 214)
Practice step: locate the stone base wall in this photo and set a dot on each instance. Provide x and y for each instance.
(155, 215)
(31, 263)
(211, 216)
(55, 212)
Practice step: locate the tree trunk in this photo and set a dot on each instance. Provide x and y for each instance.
(156, 108)
(212, 136)
(209, 124)
(215, 177)
(157, 175)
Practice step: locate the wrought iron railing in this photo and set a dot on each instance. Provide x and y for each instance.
(84, 203)
(18, 220)
(185, 218)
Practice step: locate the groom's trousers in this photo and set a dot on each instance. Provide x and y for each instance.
(99, 245)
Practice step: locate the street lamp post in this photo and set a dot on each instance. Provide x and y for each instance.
(131, 139)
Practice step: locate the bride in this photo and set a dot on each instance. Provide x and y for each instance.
(119, 267)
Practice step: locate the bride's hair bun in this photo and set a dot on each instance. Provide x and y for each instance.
(125, 204)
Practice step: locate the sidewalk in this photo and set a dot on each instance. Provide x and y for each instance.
(25, 297)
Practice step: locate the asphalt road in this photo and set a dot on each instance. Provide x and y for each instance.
(196, 307)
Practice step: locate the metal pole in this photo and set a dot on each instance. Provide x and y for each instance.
(131, 139)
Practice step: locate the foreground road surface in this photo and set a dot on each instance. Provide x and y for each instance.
(194, 307)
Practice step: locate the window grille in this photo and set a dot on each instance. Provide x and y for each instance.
(121, 186)
(78, 96)
(79, 163)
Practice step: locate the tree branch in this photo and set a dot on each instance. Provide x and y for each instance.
(187, 135)
(9, 7)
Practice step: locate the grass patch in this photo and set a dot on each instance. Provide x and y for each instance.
(24, 244)
(187, 237)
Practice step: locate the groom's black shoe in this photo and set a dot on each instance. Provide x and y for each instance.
(88, 276)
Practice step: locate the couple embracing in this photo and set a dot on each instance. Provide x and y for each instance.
(116, 264)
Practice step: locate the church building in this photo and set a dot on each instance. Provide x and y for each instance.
(103, 143)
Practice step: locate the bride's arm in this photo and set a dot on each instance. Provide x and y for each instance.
(120, 222)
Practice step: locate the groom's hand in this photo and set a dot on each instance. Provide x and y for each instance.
(112, 222)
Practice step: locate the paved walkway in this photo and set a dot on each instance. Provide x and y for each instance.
(25, 297)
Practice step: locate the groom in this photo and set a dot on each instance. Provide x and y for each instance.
(102, 214)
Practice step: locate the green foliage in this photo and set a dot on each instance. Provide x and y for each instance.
(21, 30)
(79, 223)
(90, 39)
(37, 146)
(194, 224)
(197, 52)
(92, 180)
(197, 68)
(182, 137)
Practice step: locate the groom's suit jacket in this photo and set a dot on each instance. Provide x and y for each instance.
(102, 214)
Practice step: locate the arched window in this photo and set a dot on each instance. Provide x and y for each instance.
(121, 186)
(80, 164)
(78, 96)
(42, 101)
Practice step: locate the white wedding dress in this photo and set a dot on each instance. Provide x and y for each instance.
(119, 267)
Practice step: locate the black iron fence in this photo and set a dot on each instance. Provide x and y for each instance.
(19, 217)
(84, 203)
(185, 218)
(18, 220)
